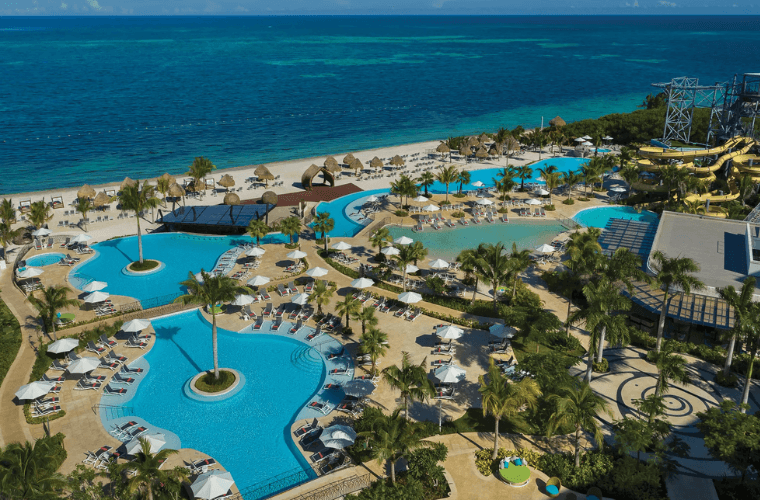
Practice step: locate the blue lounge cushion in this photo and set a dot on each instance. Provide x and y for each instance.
(506, 464)
(591, 497)
(518, 461)
(553, 490)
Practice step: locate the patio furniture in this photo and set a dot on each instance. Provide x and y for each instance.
(594, 493)
(515, 475)
(553, 485)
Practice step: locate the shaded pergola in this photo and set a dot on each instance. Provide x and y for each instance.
(314, 170)
(269, 198)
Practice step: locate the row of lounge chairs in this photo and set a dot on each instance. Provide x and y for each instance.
(537, 212)
(290, 289)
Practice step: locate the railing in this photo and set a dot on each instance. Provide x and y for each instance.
(570, 223)
(21, 254)
(276, 484)
(151, 303)
(337, 489)
(82, 279)
(114, 411)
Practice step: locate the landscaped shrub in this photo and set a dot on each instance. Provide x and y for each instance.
(729, 381)
(569, 201)
(550, 208)
(602, 367)
(401, 213)
(10, 339)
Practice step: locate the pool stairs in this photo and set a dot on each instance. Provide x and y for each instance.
(307, 359)
(114, 411)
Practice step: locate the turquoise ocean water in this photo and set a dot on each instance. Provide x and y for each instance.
(95, 99)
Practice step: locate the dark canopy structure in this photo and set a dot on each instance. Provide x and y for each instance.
(217, 219)
(313, 171)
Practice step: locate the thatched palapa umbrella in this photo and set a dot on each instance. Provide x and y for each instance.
(481, 153)
(557, 122)
(397, 161)
(264, 174)
(227, 181)
(270, 198)
(127, 182)
(443, 149)
(473, 142)
(348, 159)
(101, 199)
(484, 138)
(175, 191)
(465, 150)
(86, 192)
(493, 151)
(356, 164)
(376, 163)
(331, 164)
(168, 177)
(231, 199)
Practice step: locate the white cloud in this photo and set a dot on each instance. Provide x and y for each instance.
(240, 8)
(667, 4)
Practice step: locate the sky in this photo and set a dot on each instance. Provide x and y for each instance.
(376, 7)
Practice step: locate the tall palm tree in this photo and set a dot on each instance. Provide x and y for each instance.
(630, 174)
(519, 260)
(570, 178)
(211, 291)
(7, 211)
(321, 295)
(693, 207)
(375, 343)
(672, 272)
(746, 188)
(469, 259)
(25, 471)
(382, 235)
(579, 407)
(426, 180)
(162, 186)
(504, 399)
(410, 380)
(146, 470)
(446, 176)
(406, 255)
(53, 299)
(495, 268)
(552, 183)
(591, 173)
(39, 213)
(549, 169)
(672, 176)
(742, 304)
(290, 226)
(199, 169)
(404, 186)
(463, 178)
(670, 366)
(583, 252)
(367, 317)
(258, 229)
(135, 199)
(84, 205)
(7, 233)
(524, 172)
(348, 307)
(324, 224)
(752, 339)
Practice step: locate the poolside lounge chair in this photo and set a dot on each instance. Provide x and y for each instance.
(118, 379)
(444, 392)
(93, 458)
(442, 362)
(116, 357)
(114, 391)
(106, 342)
(282, 290)
(306, 314)
(280, 311)
(133, 342)
(464, 221)
(292, 287)
(339, 354)
(248, 314)
(126, 369)
(306, 428)
(201, 466)
(41, 411)
(108, 363)
(447, 349)
(264, 294)
(310, 438)
(416, 314)
(139, 431)
(436, 226)
(386, 307)
(315, 334)
(277, 324)
(336, 462)
(45, 378)
(296, 327)
(505, 217)
(401, 312)
(322, 454)
(94, 378)
(475, 219)
(57, 365)
(84, 386)
(449, 223)
(118, 430)
(37, 245)
(339, 371)
(309, 287)
(333, 387)
(499, 348)
(267, 310)
(294, 313)
(259, 322)
(48, 401)
(93, 348)
(323, 408)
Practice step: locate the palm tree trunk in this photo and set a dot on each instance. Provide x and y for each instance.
(569, 306)
(589, 366)
(324, 237)
(406, 407)
(658, 389)
(447, 191)
(495, 307)
(52, 325)
(393, 470)
(661, 323)
(150, 491)
(213, 340)
(729, 356)
(577, 446)
(601, 345)
(748, 383)
(475, 291)
(139, 237)
(403, 279)
(495, 440)
(514, 288)
(5, 254)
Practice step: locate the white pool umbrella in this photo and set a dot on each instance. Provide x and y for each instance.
(618, 189)
(587, 143)
(83, 365)
(80, 238)
(542, 192)
(316, 272)
(420, 199)
(484, 201)
(63, 345)
(135, 325)
(258, 281)
(242, 300)
(580, 139)
(341, 245)
(156, 441)
(449, 332)
(607, 138)
(533, 201)
(390, 251)
(502, 331)
(450, 374)
(546, 249)
(94, 286)
(255, 252)
(586, 137)
(301, 299)
(431, 208)
(212, 484)
(34, 390)
(29, 272)
(43, 231)
(338, 436)
(403, 240)
(358, 387)
(96, 297)
(439, 264)
(296, 254)
(478, 184)
(410, 297)
(411, 268)
(362, 283)
(371, 199)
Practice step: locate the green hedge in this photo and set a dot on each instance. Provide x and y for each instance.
(10, 339)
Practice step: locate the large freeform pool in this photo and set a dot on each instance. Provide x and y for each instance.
(600, 216)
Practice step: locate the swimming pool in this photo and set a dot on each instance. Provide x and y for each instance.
(600, 216)
(249, 433)
(449, 242)
(45, 259)
(181, 253)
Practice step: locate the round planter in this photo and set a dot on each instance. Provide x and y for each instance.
(195, 393)
(156, 269)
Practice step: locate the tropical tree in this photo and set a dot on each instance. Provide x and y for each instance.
(463, 177)
(321, 295)
(375, 344)
(549, 169)
(26, 472)
(367, 317)
(672, 272)
(746, 188)
(672, 176)
(552, 182)
(446, 176)
(504, 399)
(578, 406)
(84, 205)
(410, 380)
(693, 207)
(382, 235)
(162, 186)
(39, 213)
(519, 261)
(494, 268)
(670, 366)
(470, 260)
(741, 303)
(583, 252)
(630, 174)
(7, 211)
(145, 470)
(211, 291)
(523, 172)
(290, 226)
(199, 169)
(404, 186)
(751, 341)
(591, 173)
(324, 224)
(258, 229)
(135, 199)
(570, 179)
(52, 299)
(504, 186)
(426, 180)
(406, 255)
(7, 233)
(348, 308)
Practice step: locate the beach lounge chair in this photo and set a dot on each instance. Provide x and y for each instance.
(134, 433)
(475, 219)
(96, 349)
(280, 311)
(386, 307)
(315, 334)
(248, 314)
(414, 315)
(82, 385)
(259, 323)
(339, 371)
(276, 325)
(442, 362)
(306, 428)
(295, 313)
(118, 379)
(94, 378)
(447, 349)
(282, 290)
(109, 363)
(48, 401)
(336, 462)
(134, 371)
(464, 222)
(498, 348)
(133, 342)
(296, 327)
(114, 391)
(543, 212)
(116, 357)
(322, 454)
(338, 354)
(264, 294)
(106, 342)
(323, 408)
(267, 312)
(308, 439)
(449, 223)
(37, 245)
(57, 365)
(119, 430)
(505, 217)
(292, 287)
(306, 314)
(45, 378)
(401, 312)
(444, 392)
(309, 287)
(201, 466)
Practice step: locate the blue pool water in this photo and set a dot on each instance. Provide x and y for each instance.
(600, 216)
(45, 259)
(181, 253)
(341, 209)
(249, 432)
(447, 243)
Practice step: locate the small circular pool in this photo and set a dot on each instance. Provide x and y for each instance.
(600, 216)
(44, 259)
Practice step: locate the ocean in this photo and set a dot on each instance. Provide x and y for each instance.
(94, 99)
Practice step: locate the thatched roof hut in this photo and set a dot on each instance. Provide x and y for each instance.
(356, 164)
(231, 199)
(270, 198)
(484, 138)
(168, 177)
(397, 161)
(226, 181)
(175, 191)
(494, 151)
(376, 163)
(264, 174)
(331, 164)
(348, 159)
(557, 122)
(465, 150)
(86, 192)
(127, 182)
(311, 172)
(481, 152)
(101, 199)
(443, 148)
(473, 142)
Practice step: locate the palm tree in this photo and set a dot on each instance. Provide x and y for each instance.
(135, 199)
(146, 470)
(579, 407)
(382, 235)
(504, 399)
(26, 472)
(324, 224)
(406, 255)
(583, 251)
(549, 169)
(752, 338)
(258, 229)
(321, 295)
(746, 187)
(367, 317)
(7, 211)
(83, 205)
(552, 183)
(162, 186)
(53, 299)
(463, 178)
(39, 213)
(570, 178)
(519, 260)
(670, 366)
(404, 187)
(426, 180)
(348, 307)
(672, 272)
(524, 172)
(410, 380)
(211, 291)
(7, 233)
(375, 343)
(591, 173)
(741, 303)
(495, 267)
(200, 168)
(446, 176)
(693, 207)
(630, 174)
(290, 226)
(470, 260)
(672, 176)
